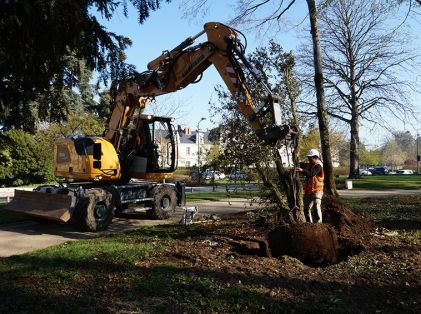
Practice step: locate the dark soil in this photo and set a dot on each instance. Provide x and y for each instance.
(359, 270)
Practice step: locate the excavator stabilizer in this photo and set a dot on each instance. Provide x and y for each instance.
(42, 205)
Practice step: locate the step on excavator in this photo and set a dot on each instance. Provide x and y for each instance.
(100, 176)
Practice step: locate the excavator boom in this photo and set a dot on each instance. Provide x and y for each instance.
(183, 65)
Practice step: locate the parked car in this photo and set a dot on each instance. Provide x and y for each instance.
(365, 172)
(238, 175)
(380, 170)
(405, 171)
(211, 174)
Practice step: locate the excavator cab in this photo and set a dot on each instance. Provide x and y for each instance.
(150, 151)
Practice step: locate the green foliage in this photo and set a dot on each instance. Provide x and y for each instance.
(23, 159)
(393, 155)
(311, 139)
(370, 157)
(213, 158)
(42, 46)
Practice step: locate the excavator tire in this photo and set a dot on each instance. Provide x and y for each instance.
(95, 211)
(164, 202)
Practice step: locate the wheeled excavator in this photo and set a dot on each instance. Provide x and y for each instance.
(128, 164)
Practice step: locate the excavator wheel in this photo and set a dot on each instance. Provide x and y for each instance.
(95, 211)
(164, 202)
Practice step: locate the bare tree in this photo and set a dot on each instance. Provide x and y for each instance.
(330, 187)
(363, 63)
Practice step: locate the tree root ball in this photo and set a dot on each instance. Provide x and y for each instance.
(312, 244)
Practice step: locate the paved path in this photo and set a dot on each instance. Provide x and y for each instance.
(19, 238)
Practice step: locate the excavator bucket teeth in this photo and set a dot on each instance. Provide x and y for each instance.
(42, 205)
(270, 136)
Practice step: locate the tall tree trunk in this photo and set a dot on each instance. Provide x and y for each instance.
(354, 146)
(330, 187)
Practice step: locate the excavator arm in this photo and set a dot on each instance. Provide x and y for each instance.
(185, 64)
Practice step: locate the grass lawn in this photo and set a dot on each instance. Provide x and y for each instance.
(394, 212)
(405, 182)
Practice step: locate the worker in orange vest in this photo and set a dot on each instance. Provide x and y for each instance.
(313, 185)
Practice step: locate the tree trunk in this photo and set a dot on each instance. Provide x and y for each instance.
(296, 196)
(354, 163)
(330, 187)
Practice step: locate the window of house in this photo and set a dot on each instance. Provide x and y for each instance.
(188, 150)
(187, 163)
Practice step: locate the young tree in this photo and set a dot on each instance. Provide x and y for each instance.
(242, 147)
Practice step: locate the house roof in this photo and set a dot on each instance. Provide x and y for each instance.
(186, 138)
(191, 138)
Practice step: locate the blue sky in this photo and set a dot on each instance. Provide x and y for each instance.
(166, 28)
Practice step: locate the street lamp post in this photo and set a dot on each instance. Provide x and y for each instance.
(198, 146)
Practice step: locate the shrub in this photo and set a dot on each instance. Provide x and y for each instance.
(23, 160)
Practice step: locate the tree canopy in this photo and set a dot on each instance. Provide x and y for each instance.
(39, 41)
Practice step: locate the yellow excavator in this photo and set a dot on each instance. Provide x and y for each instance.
(97, 172)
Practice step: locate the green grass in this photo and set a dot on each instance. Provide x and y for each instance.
(389, 182)
(67, 278)
(394, 212)
(85, 276)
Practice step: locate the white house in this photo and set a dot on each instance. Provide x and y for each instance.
(189, 144)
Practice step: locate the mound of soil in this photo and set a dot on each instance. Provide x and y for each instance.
(346, 223)
(340, 236)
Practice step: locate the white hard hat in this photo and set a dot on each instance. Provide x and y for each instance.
(313, 152)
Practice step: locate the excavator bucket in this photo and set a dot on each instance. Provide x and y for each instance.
(41, 205)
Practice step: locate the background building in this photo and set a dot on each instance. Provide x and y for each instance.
(189, 144)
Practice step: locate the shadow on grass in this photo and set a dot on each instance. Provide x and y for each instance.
(104, 286)
(395, 212)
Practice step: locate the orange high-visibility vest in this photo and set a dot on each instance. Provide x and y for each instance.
(314, 183)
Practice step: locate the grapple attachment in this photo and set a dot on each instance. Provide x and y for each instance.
(42, 205)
